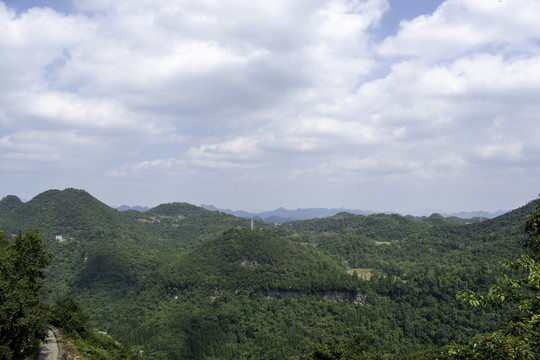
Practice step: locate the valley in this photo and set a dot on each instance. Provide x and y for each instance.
(182, 282)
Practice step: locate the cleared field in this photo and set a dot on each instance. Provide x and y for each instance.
(382, 243)
(361, 272)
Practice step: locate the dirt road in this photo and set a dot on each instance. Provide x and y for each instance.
(48, 350)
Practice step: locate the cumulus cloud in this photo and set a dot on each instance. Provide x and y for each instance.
(24, 150)
(298, 92)
(461, 26)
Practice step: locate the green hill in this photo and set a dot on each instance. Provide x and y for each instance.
(399, 246)
(71, 213)
(189, 225)
(182, 282)
(89, 240)
(9, 203)
(176, 210)
(250, 294)
(102, 255)
(257, 261)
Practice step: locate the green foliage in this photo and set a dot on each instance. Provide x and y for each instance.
(258, 261)
(188, 225)
(519, 292)
(9, 203)
(332, 352)
(23, 316)
(70, 317)
(98, 346)
(169, 281)
(31, 258)
(74, 323)
(246, 295)
(356, 350)
(532, 228)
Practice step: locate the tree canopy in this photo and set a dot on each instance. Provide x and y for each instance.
(179, 281)
(519, 293)
(23, 316)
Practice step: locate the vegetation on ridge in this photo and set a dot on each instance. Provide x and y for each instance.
(257, 261)
(182, 282)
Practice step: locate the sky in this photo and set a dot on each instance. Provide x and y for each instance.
(383, 105)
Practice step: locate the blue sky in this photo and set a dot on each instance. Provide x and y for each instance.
(368, 104)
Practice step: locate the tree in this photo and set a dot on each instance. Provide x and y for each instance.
(70, 317)
(519, 293)
(532, 227)
(23, 316)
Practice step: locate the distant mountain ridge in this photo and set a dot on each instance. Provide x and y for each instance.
(473, 214)
(279, 215)
(136, 208)
(282, 215)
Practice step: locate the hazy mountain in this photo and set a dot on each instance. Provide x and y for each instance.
(282, 215)
(136, 208)
(476, 214)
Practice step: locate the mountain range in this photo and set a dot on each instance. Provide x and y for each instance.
(282, 215)
(179, 281)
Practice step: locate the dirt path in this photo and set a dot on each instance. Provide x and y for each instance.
(48, 350)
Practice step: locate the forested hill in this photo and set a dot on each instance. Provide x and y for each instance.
(97, 247)
(77, 214)
(72, 213)
(9, 203)
(386, 242)
(182, 282)
(258, 261)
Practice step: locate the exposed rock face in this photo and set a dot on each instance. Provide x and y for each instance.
(281, 294)
(360, 299)
(249, 263)
(333, 296)
(353, 298)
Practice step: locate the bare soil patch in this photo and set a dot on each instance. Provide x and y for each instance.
(361, 273)
(71, 351)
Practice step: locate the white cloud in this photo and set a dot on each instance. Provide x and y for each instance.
(290, 91)
(35, 43)
(485, 75)
(501, 149)
(241, 152)
(460, 26)
(32, 150)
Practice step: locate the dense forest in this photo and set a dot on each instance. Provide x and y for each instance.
(25, 316)
(182, 282)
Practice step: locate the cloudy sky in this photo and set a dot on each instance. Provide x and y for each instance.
(387, 105)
